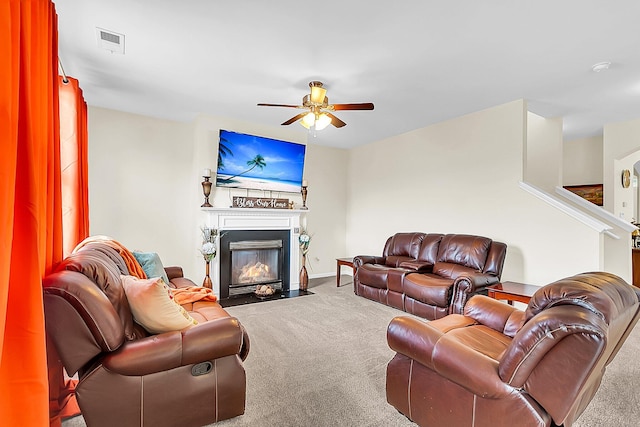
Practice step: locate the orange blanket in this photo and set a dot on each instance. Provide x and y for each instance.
(129, 260)
(193, 294)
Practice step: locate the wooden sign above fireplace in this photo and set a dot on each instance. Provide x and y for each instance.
(260, 203)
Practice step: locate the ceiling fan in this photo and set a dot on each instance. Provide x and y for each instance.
(320, 111)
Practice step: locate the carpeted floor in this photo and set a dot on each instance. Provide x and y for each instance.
(319, 360)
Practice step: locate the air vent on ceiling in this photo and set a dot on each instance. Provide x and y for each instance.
(110, 40)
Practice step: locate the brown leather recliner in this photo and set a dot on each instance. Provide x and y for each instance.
(430, 275)
(496, 366)
(128, 377)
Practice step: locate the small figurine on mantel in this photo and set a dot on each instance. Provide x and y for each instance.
(291, 204)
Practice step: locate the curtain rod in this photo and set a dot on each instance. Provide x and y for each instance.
(65, 80)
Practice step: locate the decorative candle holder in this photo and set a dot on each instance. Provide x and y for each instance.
(304, 197)
(206, 189)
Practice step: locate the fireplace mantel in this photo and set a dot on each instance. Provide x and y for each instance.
(257, 219)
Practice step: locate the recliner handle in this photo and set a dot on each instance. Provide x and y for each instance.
(201, 368)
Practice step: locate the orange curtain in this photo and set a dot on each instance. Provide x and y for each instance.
(75, 224)
(73, 157)
(30, 203)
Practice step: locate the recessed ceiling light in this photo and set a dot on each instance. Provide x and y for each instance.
(601, 66)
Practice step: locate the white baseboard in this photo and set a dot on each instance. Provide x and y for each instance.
(319, 275)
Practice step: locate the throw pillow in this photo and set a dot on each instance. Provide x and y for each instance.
(151, 265)
(153, 306)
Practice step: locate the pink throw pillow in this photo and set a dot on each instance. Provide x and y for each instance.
(153, 306)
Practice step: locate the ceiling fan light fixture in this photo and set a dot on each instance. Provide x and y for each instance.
(308, 120)
(317, 94)
(319, 122)
(322, 121)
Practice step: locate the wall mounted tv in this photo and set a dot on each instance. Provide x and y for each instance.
(259, 163)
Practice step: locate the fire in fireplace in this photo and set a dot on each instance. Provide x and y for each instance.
(255, 262)
(250, 258)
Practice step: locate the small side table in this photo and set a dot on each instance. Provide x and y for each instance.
(512, 291)
(346, 262)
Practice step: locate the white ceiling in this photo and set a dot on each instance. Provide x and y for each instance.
(420, 62)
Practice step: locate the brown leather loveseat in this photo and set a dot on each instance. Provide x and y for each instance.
(429, 275)
(494, 365)
(128, 376)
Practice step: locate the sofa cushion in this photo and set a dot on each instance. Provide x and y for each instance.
(203, 311)
(151, 264)
(108, 251)
(605, 294)
(105, 274)
(404, 245)
(462, 249)
(396, 260)
(429, 248)
(428, 288)
(374, 275)
(451, 270)
(153, 307)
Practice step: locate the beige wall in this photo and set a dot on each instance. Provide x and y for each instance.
(582, 161)
(138, 169)
(461, 176)
(543, 153)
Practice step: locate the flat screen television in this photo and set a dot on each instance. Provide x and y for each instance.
(259, 163)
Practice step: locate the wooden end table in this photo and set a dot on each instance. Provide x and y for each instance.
(512, 291)
(346, 262)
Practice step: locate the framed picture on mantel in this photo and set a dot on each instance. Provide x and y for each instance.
(592, 193)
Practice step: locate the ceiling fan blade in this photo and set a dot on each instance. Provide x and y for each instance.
(336, 121)
(280, 105)
(358, 106)
(294, 119)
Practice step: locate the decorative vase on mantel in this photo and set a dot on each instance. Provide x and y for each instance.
(207, 280)
(304, 277)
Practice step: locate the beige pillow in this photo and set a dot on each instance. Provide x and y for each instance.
(153, 306)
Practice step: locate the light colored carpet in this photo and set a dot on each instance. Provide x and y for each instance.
(320, 360)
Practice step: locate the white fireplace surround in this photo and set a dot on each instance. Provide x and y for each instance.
(258, 219)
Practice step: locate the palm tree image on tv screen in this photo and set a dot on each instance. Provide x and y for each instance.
(259, 163)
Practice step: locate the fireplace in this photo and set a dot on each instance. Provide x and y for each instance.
(230, 221)
(250, 258)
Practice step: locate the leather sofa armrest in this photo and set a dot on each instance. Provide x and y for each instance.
(495, 314)
(428, 344)
(466, 285)
(413, 338)
(182, 282)
(416, 338)
(469, 369)
(367, 259)
(177, 279)
(173, 272)
(157, 353)
(417, 266)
